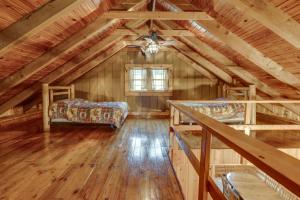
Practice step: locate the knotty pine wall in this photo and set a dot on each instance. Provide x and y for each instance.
(106, 82)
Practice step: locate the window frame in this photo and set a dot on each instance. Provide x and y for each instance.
(149, 91)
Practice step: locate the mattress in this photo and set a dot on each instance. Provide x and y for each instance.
(84, 111)
(223, 112)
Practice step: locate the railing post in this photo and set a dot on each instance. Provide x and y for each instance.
(46, 119)
(204, 164)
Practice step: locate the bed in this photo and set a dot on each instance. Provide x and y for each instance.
(69, 109)
(84, 111)
(226, 113)
(230, 109)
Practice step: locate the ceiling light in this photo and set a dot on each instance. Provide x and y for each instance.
(152, 48)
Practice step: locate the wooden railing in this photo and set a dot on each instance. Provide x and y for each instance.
(278, 165)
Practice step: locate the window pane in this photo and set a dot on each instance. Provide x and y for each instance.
(159, 79)
(138, 79)
(158, 85)
(159, 73)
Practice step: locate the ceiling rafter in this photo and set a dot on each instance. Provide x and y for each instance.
(161, 32)
(232, 67)
(31, 21)
(56, 74)
(82, 58)
(195, 65)
(93, 63)
(237, 44)
(198, 58)
(77, 41)
(271, 17)
(105, 4)
(156, 15)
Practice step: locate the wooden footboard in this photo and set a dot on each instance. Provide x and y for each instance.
(50, 93)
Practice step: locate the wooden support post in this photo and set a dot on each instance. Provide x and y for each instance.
(225, 91)
(171, 133)
(176, 117)
(72, 91)
(252, 96)
(204, 164)
(46, 119)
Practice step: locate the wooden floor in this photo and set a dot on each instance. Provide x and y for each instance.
(88, 163)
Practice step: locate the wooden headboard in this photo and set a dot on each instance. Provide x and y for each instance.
(49, 95)
(240, 93)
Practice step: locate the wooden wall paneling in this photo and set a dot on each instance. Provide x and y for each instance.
(176, 84)
(101, 82)
(131, 99)
(182, 79)
(111, 79)
(117, 78)
(122, 78)
(94, 87)
(108, 80)
(190, 83)
(198, 86)
(160, 100)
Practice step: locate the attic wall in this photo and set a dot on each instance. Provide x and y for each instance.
(106, 82)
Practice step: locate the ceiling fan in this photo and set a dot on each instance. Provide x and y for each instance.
(152, 42)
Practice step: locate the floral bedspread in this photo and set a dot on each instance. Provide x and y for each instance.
(227, 113)
(83, 111)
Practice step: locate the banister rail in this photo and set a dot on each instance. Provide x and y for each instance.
(278, 165)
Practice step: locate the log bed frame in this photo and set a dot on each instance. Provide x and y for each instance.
(49, 94)
(246, 95)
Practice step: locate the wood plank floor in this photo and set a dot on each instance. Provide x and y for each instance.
(88, 163)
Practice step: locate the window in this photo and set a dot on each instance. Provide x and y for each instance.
(148, 80)
(138, 79)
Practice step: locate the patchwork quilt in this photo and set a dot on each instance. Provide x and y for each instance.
(225, 112)
(83, 111)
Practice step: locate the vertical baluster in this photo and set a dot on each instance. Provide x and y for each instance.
(204, 164)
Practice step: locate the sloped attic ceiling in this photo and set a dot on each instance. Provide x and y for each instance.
(255, 42)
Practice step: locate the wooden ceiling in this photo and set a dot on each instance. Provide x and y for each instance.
(253, 42)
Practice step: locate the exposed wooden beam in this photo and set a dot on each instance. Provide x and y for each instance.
(160, 32)
(271, 17)
(84, 57)
(92, 32)
(54, 18)
(199, 59)
(208, 51)
(195, 65)
(249, 78)
(237, 44)
(209, 66)
(60, 72)
(156, 15)
(93, 63)
(29, 22)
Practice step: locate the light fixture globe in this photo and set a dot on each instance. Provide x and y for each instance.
(152, 48)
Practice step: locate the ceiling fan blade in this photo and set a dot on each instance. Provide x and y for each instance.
(167, 43)
(134, 46)
(148, 40)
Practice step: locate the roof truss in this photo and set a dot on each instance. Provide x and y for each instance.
(116, 38)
